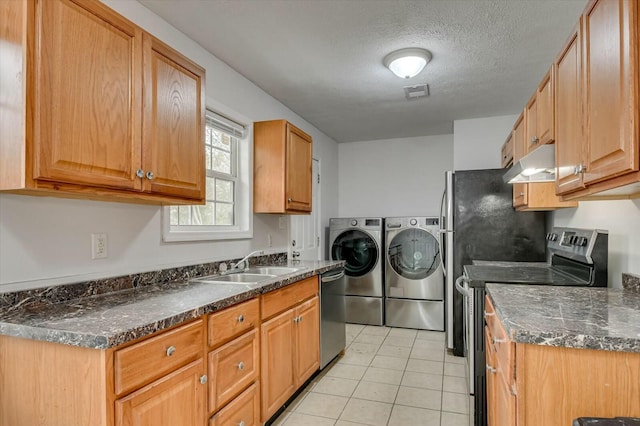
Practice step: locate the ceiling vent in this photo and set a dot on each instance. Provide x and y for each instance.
(416, 92)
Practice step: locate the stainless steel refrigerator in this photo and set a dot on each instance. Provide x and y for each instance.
(479, 223)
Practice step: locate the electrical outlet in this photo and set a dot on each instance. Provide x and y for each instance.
(99, 246)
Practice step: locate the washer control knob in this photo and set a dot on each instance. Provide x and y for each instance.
(582, 241)
(354, 222)
(413, 222)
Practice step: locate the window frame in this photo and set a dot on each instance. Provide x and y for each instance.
(242, 160)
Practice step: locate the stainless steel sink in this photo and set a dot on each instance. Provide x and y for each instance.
(272, 270)
(241, 277)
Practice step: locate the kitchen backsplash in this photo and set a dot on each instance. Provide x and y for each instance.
(56, 294)
(630, 281)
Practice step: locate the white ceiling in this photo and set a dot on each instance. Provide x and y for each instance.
(323, 58)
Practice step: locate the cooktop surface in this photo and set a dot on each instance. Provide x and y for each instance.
(527, 274)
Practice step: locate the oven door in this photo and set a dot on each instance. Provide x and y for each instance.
(469, 327)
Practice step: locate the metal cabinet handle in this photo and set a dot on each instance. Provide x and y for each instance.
(289, 200)
(240, 318)
(140, 173)
(203, 379)
(241, 365)
(171, 350)
(490, 369)
(150, 175)
(489, 314)
(522, 194)
(496, 340)
(534, 140)
(241, 423)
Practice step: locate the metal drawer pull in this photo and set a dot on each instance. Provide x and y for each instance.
(241, 423)
(490, 369)
(203, 379)
(171, 350)
(241, 365)
(534, 139)
(496, 340)
(150, 175)
(140, 173)
(241, 318)
(489, 314)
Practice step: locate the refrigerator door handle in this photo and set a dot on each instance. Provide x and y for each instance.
(464, 290)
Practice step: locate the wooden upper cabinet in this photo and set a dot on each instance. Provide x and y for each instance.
(519, 147)
(173, 128)
(568, 110)
(545, 120)
(506, 152)
(540, 128)
(609, 60)
(531, 138)
(86, 130)
(282, 168)
(87, 95)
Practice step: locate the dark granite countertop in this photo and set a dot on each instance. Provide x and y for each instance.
(111, 319)
(573, 317)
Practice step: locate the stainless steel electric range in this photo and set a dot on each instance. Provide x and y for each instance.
(578, 257)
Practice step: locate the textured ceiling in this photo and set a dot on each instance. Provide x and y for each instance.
(323, 58)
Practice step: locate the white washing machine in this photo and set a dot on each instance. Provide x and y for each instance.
(414, 281)
(358, 241)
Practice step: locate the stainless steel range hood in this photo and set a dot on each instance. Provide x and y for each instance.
(537, 166)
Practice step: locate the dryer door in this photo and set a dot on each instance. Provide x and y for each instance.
(413, 255)
(358, 249)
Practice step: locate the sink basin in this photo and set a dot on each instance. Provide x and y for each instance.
(236, 278)
(272, 270)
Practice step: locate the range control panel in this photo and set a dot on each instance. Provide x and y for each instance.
(575, 243)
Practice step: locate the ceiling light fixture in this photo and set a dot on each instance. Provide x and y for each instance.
(407, 63)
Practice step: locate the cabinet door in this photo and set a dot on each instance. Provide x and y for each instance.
(568, 110)
(504, 403)
(490, 355)
(298, 173)
(276, 353)
(519, 147)
(307, 345)
(87, 95)
(545, 121)
(531, 139)
(520, 194)
(173, 127)
(176, 399)
(610, 75)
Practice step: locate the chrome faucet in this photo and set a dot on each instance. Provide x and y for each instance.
(240, 263)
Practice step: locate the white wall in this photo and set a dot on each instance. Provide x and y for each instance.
(477, 141)
(622, 219)
(46, 240)
(394, 177)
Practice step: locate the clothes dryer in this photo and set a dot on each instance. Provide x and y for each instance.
(358, 241)
(414, 281)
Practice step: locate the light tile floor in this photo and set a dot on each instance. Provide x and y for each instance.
(387, 377)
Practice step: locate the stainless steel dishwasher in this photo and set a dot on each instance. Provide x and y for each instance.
(333, 336)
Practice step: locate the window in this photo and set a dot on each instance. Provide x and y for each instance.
(226, 214)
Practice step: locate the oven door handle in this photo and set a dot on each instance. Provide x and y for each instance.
(464, 290)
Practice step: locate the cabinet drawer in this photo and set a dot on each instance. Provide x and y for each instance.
(245, 410)
(143, 362)
(233, 321)
(232, 367)
(284, 298)
(500, 342)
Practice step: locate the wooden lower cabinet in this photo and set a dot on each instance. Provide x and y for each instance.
(290, 344)
(532, 385)
(538, 197)
(176, 399)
